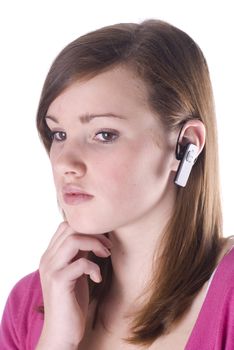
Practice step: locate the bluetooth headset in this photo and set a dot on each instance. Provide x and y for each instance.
(187, 155)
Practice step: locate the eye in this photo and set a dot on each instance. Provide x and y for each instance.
(58, 136)
(107, 136)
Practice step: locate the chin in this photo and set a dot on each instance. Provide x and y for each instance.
(80, 225)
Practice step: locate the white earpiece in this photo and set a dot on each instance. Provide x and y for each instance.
(186, 164)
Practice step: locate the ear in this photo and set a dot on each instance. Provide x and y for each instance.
(193, 131)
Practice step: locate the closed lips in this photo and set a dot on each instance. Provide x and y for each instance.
(74, 196)
(72, 190)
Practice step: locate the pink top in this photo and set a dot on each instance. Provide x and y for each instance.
(214, 329)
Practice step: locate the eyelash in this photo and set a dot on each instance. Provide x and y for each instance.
(109, 132)
(52, 135)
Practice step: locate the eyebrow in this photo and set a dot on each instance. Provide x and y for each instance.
(86, 118)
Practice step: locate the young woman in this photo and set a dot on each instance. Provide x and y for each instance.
(139, 262)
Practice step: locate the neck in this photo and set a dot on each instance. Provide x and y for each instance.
(133, 251)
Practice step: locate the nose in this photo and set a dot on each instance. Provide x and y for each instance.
(69, 162)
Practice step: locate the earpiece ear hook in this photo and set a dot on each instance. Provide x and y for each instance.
(180, 150)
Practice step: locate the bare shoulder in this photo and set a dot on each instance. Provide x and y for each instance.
(227, 246)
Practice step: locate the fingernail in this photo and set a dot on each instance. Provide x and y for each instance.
(108, 253)
(97, 278)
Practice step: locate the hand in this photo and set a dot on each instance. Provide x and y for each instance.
(63, 271)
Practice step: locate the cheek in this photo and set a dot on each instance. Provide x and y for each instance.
(55, 174)
(126, 171)
(56, 163)
(139, 170)
(114, 175)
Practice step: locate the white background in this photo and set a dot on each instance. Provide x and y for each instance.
(31, 35)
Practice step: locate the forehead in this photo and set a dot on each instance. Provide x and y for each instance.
(118, 90)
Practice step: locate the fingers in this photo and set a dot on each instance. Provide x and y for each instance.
(64, 230)
(71, 246)
(105, 240)
(64, 268)
(78, 268)
(65, 251)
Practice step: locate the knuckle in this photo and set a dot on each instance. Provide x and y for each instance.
(72, 243)
(97, 267)
(43, 260)
(72, 239)
(52, 277)
(63, 225)
(88, 265)
(84, 263)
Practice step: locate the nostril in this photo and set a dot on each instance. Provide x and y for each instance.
(68, 165)
(72, 172)
(75, 170)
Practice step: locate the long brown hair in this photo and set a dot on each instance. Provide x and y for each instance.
(175, 72)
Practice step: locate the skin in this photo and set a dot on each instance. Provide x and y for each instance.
(131, 180)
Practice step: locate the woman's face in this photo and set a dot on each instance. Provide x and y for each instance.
(122, 157)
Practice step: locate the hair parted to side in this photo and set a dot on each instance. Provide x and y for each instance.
(175, 72)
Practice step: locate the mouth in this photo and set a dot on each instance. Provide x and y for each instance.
(73, 195)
